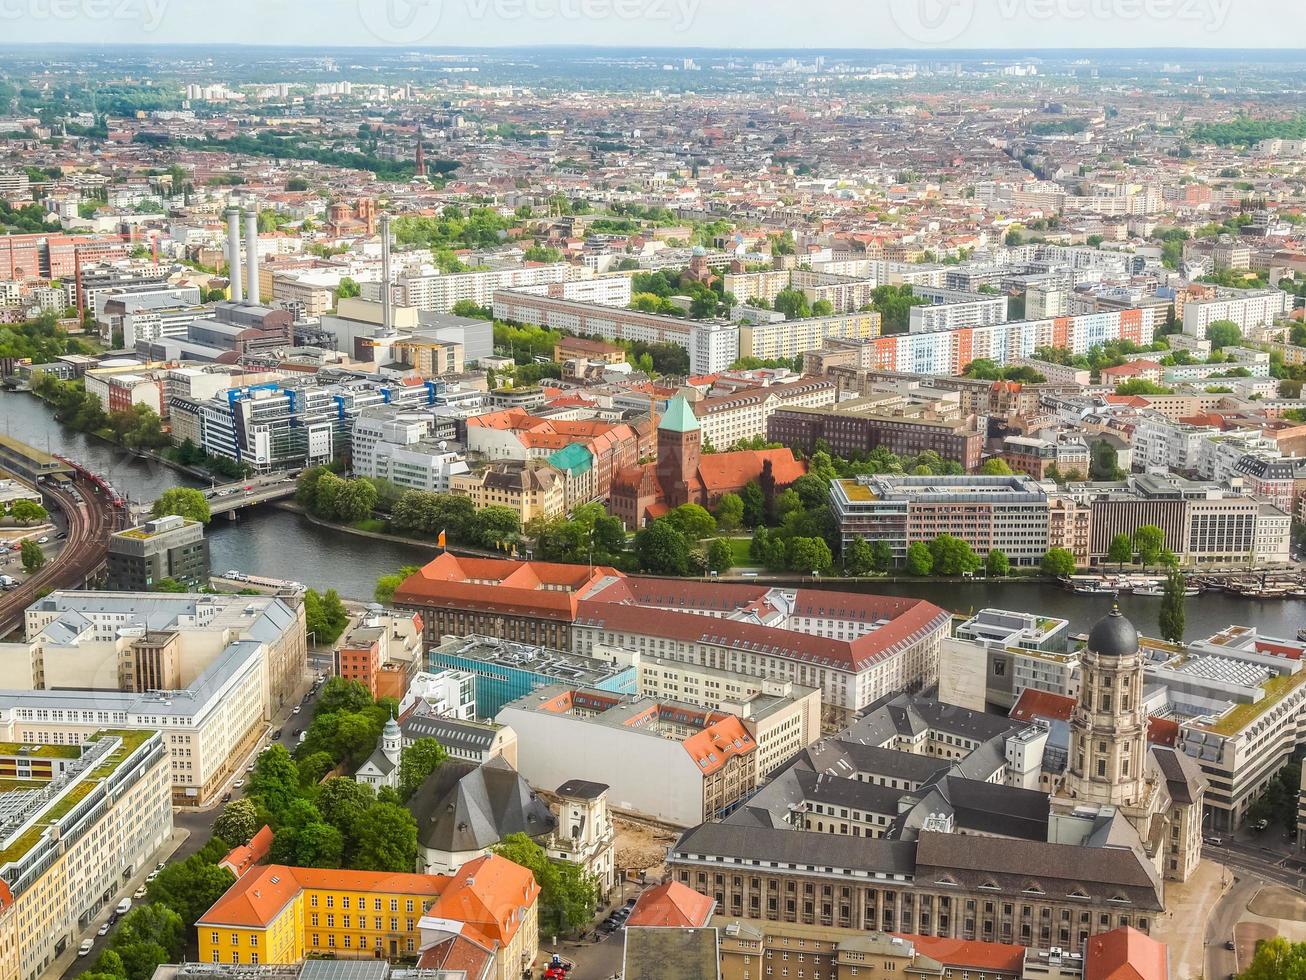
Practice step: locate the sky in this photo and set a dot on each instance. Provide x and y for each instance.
(740, 24)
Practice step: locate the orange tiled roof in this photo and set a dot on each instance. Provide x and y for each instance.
(717, 744)
(1125, 954)
(240, 859)
(999, 957)
(672, 905)
(491, 894)
(257, 898)
(1042, 704)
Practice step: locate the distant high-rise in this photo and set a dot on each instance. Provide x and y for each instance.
(420, 159)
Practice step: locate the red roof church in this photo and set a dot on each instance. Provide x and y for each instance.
(683, 475)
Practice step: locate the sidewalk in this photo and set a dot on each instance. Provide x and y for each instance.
(1188, 910)
(69, 957)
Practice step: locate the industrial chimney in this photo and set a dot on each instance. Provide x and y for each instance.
(387, 317)
(251, 256)
(233, 254)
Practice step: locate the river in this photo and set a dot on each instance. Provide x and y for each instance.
(285, 545)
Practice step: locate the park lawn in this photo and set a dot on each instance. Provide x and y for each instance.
(739, 551)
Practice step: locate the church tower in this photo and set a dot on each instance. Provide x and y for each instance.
(1108, 731)
(679, 445)
(391, 741)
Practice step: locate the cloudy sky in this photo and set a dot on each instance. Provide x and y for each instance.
(677, 23)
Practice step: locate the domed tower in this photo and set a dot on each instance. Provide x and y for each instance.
(1108, 731)
(391, 741)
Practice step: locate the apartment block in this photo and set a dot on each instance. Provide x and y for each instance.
(166, 548)
(1248, 308)
(1008, 514)
(861, 425)
(80, 821)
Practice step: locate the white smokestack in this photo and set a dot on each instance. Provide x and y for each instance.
(233, 254)
(251, 255)
(387, 317)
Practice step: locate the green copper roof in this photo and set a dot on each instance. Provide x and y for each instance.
(679, 417)
(573, 459)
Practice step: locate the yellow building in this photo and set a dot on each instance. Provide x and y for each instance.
(278, 914)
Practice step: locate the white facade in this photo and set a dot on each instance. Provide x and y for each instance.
(399, 449)
(1249, 308)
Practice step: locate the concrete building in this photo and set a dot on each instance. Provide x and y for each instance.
(694, 764)
(531, 489)
(854, 648)
(400, 446)
(383, 652)
(80, 820)
(209, 671)
(1248, 308)
(1002, 513)
(165, 548)
(863, 425)
(506, 671)
(279, 915)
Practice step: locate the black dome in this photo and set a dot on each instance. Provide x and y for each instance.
(1113, 636)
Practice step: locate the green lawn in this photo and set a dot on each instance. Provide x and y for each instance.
(739, 551)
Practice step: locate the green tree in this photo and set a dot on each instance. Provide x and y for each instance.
(1277, 959)
(1148, 542)
(417, 762)
(997, 564)
(919, 559)
(348, 289)
(190, 887)
(882, 554)
(822, 307)
(995, 467)
(339, 694)
(793, 304)
(1171, 616)
(386, 840)
(1121, 550)
(953, 556)
(170, 585)
(33, 557)
(496, 527)
(662, 550)
(184, 502)
(809, 555)
(343, 803)
(1223, 333)
(719, 556)
(319, 845)
(237, 823)
(469, 309)
(754, 505)
(1058, 563)
(730, 512)
(692, 521)
(275, 780)
(387, 585)
(354, 501)
(568, 896)
(859, 557)
(27, 512)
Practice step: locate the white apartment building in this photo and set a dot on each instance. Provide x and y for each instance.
(792, 338)
(726, 419)
(439, 292)
(398, 447)
(73, 836)
(1167, 445)
(1248, 308)
(952, 309)
(207, 671)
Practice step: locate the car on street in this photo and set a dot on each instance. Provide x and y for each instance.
(250, 767)
(276, 735)
(238, 783)
(43, 539)
(124, 906)
(104, 928)
(1230, 944)
(296, 709)
(226, 797)
(139, 893)
(1213, 841)
(85, 947)
(1261, 825)
(151, 876)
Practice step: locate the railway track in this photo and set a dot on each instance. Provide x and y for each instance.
(89, 524)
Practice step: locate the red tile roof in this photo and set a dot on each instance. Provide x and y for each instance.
(992, 957)
(491, 894)
(1125, 954)
(1162, 731)
(1042, 704)
(240, 859)
(672, 905)
(717, 744)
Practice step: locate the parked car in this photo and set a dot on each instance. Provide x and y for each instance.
(103, 930)
(124, 906)
(296, 709)
(43, 539)
(139, 893)
(226, 797)
(276, 735)
(85, 947)
(238, 784)
(1230, 944)
(1261, 825)
(151, 876)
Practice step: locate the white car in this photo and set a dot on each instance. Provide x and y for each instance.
(238, 783)
(85, 947)
(43, 539)
(103, 930)
(139, 893)
(295, 710)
